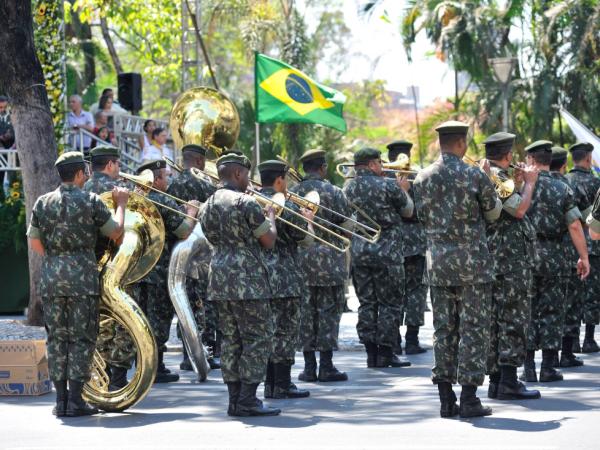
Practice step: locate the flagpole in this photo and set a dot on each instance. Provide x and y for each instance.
(256, 147)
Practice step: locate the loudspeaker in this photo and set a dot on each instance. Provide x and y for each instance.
(130, 91)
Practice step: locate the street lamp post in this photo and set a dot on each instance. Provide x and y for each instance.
(503, 68)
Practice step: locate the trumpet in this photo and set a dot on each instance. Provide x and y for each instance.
(278, 204)
(504, 186)
(400, 167)
(145, 181)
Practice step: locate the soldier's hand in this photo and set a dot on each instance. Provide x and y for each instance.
(192, 207)
(120, 195)
(530, 174)
(484, 165)
(583, 268)
(403, 183)
(307, 213)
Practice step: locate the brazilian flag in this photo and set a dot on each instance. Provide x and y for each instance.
(285, 94)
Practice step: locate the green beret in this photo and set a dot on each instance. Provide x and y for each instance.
(585, 146)
(402, 146)
(539, 146)
(105, 150)
(273, 165)
(364, 155)
(452, 127)
(152, 165)
(194, 148)
(233, 158)
(310, 155)
(69, 158)
(559, 153)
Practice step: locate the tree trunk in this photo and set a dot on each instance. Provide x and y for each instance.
(111, 47)
(21, 78)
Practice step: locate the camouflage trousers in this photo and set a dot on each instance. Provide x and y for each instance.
(247, 327)
(205, 312)
(72, 327)
(576, 291)
(320, 316)
(547, 313)
(415, 292)
(155, 302)
(461, 321)
(380, 292)
(591, 306)
(511, 297)
(286, 320)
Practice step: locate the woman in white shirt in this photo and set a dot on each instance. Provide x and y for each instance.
(145, 140)
(158, 148)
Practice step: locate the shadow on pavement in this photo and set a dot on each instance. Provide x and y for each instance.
(526, 426)
(126, 419)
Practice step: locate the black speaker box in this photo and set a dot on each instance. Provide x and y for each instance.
(130, 91)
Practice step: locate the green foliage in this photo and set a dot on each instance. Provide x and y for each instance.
(12, 218)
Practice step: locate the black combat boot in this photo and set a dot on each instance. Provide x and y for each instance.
(284, 388)
(270, 380)
(470, 405)
(327, 371)
(412, 346)
(309, 374)
(529, 374)
(398, 345)
(234, 394)
(589, 344)
(386, 358)
(76, 406)
(249, 405)
(555, 360)
(186, 364)
(548, 373)
(576, 345)
(493, 387)
(61, 398)
(164, 375)
(510, 388)
(214, 360)
(118, 378)
(448, 407)
(371, 349)
(567, 358)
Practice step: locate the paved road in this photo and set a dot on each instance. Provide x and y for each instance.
(377, 408)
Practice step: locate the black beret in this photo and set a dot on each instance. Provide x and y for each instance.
(585, 146)
(69, 158)
(233, 158)
(273, 165)
(105, 150)
(314, 154)
(452, 127)
(194, 148)
(400, 146)
(539, 146)
(364, 155)
(499, 144)
(559, 153)
(152, 165)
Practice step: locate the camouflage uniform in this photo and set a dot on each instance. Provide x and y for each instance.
(325, 270)
(511, 241)
(67, 221)
(377, 269)
(239, 283)
(188, 187)
(585, 185)
(452, 201)
(552, 209)
(114, 343)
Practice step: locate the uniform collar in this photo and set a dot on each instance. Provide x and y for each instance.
(100, 175)
(229, 186)
(581, 169)
(68, 187)
(268, 190)
(450, 156)
(365, 173)
(313, 176)
(545, 173)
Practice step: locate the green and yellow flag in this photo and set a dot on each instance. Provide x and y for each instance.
(285, 94)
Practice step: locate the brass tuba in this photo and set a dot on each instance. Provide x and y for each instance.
(142, 245)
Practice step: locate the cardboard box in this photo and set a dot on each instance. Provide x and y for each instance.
(24, 368)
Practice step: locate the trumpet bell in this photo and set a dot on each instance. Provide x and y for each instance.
(401, 163)
(144, 179)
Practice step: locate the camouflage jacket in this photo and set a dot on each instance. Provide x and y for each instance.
(175, 228)
(67, 221)
(585, 185)
(511, 240)
(287, 279)
(323, 265)
(453, 200)
(552, 209)
(99, 183)
(187, 187)
(569, 248)
(232, 222)
(385, 202)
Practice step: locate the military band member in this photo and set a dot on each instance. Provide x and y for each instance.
(153, 294)
(553, 212)
(575, 290)
(239, 283)
(413, 249)
(188, 187)
(287, 283)
(511, 240)
(377, 268)
(326, 272)
(454, 201)
(585, 185)
(63, 230)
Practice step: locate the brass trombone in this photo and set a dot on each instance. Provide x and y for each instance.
(400, 167)
(176, 167)
(145, 181)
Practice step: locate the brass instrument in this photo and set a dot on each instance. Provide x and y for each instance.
(504, 186)
(400, 167)
(176, 167)
(143, 242)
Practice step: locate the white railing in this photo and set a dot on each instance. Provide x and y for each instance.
(9, 160)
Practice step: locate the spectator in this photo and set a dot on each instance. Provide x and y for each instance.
(101, 120)
(115, 107)
(7, 133)
(158, 148)
(145, 140)
(103, 134)
(105, 104)
(77, 119)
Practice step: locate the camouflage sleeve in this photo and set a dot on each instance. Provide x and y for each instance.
(512, 203)
(571, 211)
(174, 223)
(34, 224)
(102, 216)
(296, 234)
(342, 206)
(487, 197)
(255, 217)
(400, 199)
